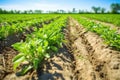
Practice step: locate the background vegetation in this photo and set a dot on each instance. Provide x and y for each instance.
(114, 8)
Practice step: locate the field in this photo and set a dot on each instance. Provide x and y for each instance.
(59, 47)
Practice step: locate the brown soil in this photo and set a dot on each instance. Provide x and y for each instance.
(94, 59)
(6, 66)
(58, 67)
(84, 57)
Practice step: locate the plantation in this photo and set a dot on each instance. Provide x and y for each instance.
(59, 47)
(109, 18)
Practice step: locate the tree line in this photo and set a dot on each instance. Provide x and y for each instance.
(114, 7)
(2, 11)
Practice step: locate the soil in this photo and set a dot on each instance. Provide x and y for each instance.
(84, 56)
(6, 66)
(96, 60)
(58, 67)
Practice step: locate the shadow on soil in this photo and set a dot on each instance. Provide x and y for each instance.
(52, 68)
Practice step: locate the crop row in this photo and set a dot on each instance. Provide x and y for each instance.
(14, 18)
(110, 36)
(110, 18)
(6, 30)
(39, 44)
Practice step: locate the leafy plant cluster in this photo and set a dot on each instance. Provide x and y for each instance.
(8, 29)
(110, 18)
(110, 36)
(39, 44)
(15, 18)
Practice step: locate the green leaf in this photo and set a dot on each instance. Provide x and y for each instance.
(24, 70)
(17, 61)
(16, 46)
(40, 49)
(47, 55)
(45, 36)
(17, 57)
(54, 48)
(45, 43)
(35, 63)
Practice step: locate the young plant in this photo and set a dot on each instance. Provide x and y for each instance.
(39, 45)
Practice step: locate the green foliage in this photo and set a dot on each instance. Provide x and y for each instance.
(110, 36)
(18, 23)
(96, 9)
(39, 45)
(115, 7)
(110, 18)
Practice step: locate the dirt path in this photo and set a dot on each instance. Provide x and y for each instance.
(58, 67)
(93, 58)
(83, 68)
